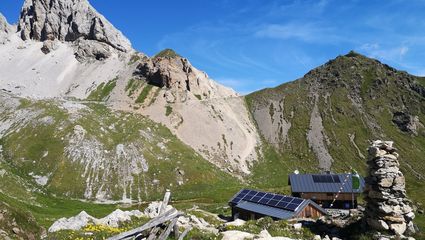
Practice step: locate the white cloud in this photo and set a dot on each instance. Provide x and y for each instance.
(375, 50)
(312, 32)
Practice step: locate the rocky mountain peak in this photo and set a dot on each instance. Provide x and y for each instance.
(167, 53)
(68, 20)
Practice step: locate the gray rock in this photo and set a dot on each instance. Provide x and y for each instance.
(5, 29)
(410, 216)
(407, 123)
(398, 228)
(410, 230)
(378, 224)
(49, 46)
(68, 20)
(87, 49)
(16, 230)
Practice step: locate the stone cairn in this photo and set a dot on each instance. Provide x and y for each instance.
(388, 208)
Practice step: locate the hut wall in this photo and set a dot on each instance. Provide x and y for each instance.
(328, 196)
(309, 212)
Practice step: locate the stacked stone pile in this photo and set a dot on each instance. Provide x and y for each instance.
(388, 208)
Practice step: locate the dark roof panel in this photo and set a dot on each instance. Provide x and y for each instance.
(270, 204)
(307, 183)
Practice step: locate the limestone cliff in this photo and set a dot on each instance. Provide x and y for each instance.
(71, 21)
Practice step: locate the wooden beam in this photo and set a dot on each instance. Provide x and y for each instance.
(164, 235)
(176, 231)
(167, 216)
(153, 233)
(185, 232)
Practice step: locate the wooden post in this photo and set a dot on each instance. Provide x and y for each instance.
(165, 201)
(161, 210)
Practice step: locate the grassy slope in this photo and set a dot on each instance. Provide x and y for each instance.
(25, 150)
(102, 92)
(341, 118)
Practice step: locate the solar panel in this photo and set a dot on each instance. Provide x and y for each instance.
(245, 191)
(269, 195)
(268, 199)
(255, 199)
(291, 207)
(282, 205)
(297, 201)
(273, 203)
(336, 178)
(261, 194)
(246, 198)
(328, 178)
(278, 197)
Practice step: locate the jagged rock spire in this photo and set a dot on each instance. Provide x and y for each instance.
(68, 20)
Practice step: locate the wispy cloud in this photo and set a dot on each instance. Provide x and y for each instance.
(310, 32)
(393, 54)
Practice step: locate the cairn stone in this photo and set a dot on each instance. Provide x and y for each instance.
(388, 208)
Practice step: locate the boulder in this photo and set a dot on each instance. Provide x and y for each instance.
(49, 46)
(264, 234)
(236, 235)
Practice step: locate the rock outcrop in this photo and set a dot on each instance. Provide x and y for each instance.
(176, 74)
(407, 123)
(5, 29)
(68, 20)
(388, 208)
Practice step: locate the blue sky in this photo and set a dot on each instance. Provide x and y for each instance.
(253, 44)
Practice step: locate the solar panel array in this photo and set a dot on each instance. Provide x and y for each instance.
(326, 178)
(268, 199)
